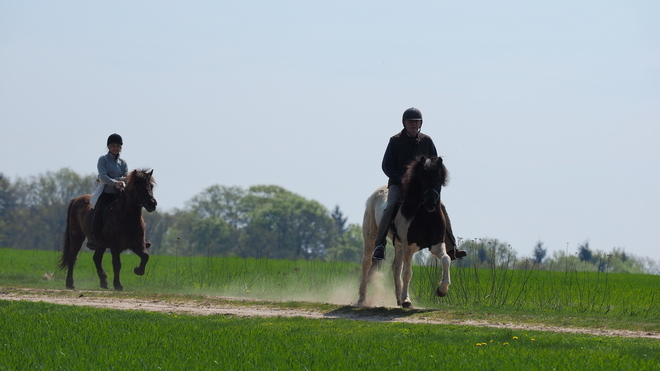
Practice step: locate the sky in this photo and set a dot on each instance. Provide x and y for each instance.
(547, 114)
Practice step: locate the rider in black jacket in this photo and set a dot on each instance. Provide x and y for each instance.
(404, 147)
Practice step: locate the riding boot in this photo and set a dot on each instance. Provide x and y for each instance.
(91, 241)
(97, 220)
(450, 241)
(379, 252)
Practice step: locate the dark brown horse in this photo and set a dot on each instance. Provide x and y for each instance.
(123, 228)
(419, 223)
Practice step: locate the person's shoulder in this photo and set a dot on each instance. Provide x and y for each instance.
(397, 135)
(423, 136)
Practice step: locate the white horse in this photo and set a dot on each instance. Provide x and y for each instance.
(419, 223)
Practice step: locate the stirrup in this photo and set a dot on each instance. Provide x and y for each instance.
(455, 254)
(379, 253)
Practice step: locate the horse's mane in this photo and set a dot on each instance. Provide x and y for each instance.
(138, 174)
(431, 168)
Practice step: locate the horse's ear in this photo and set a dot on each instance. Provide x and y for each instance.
(151, 172)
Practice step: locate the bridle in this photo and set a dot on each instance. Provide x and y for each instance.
(141, 202)
(431, 194)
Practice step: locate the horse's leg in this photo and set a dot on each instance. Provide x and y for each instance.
(72, 243)
(366, 277)
(116, 268)
(144, 258)
(440, 252)
(397, 266)
(369, 230)
(75, 243)
(98, 261)
(408, 253)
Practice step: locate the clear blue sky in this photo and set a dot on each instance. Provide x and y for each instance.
(547, 113)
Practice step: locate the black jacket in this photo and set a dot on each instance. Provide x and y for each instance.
(401, 150)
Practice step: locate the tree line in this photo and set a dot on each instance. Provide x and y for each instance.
(260, 221)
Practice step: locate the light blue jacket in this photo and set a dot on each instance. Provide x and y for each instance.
(111, 170)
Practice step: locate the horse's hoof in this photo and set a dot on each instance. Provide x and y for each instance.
(138, 271)
(440, 293)
(407, 304)
(119, 288)
(71, 287)
(104, 285)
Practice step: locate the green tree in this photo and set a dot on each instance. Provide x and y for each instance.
(286, 226)
(539, 252)
(38, 208)
(221, 202)
(191, 234)
(8, 208)
(350, 246)
(340, 220)
(584, 253)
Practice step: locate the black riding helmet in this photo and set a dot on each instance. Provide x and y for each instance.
(411, 113)
(115, 138)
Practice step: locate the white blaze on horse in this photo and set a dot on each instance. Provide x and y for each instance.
(419, 223)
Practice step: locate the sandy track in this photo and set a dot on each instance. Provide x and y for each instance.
(239, 307)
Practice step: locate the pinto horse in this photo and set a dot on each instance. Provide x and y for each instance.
(419, 223)
(123, 228)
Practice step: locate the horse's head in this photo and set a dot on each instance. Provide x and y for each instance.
(423, 181)
(140, 189)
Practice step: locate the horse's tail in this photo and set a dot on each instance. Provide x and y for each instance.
(66, 250)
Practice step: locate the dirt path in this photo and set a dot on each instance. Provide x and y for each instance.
(239, 307)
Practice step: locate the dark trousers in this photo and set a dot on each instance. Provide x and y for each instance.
(393, 194)
(97, 213)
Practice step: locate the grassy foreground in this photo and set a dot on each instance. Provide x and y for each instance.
(572, 298)
(56, 337)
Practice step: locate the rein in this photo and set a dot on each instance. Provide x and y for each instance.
(141, 203)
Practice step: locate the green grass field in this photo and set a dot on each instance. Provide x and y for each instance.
(574, 293)
(46, 336)
(54, 337)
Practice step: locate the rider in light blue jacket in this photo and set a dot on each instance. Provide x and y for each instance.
(112, 172)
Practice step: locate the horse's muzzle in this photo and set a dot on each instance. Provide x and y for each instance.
(150, 205)
(431, 200)
(431, 207)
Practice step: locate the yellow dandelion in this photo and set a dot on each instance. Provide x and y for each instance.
(532, 339)
(478, 344)
(505, 344)
(515, 337)
(247, 290)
